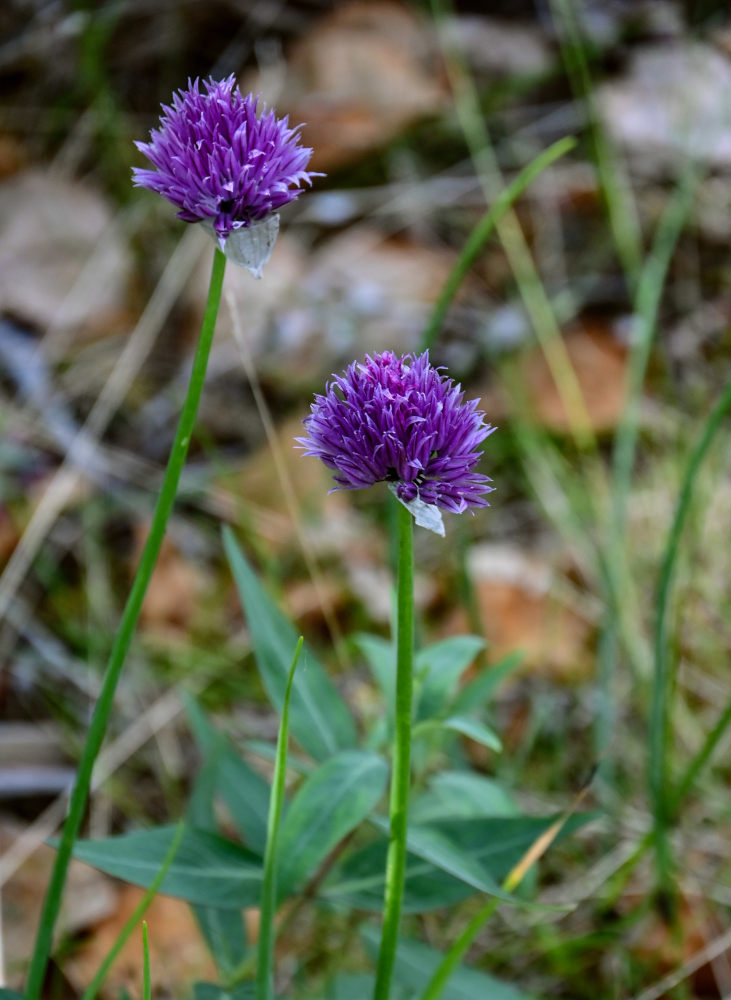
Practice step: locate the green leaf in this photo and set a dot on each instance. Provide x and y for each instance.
(207, 869)
(477, 693)
(330, 803)
(442, 665)
(461, 795)
(244, 791)
(433, 845)
(320, 720)
(6, 994)
(224, 931)
(474, 729)
(212, 991)
(497, 844)
(417, 962)
(246, 794)
(359, 986)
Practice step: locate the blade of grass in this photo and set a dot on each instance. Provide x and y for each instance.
(664, 675)
(620, 206)
(146, 985)
(482, 231)
(537, 304)
(133, 920)
(618, 580)
(264, 969)
(701, 759)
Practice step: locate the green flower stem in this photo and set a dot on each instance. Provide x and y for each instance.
(265, 960)
(401, 769)
(102, 711)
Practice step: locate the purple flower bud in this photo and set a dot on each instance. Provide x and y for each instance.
(219, 162)
(399, 421)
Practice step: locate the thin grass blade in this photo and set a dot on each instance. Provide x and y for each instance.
(264, 970)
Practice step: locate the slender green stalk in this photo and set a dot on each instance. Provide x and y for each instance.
(101, 974)
(664, 679)
(265, 964)
(146, 982)
(401, 764)
(102, 711)
(527, 277)
(701, 759)
(620, 206)
(458, 950)
(617, 578)
(481, 233)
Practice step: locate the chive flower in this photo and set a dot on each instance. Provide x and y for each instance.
(222, 163)
(398, 420)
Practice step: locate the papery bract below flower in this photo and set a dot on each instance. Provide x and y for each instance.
(219, 162)
(399, 420)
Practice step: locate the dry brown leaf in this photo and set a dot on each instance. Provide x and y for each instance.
(61, 263)
(89, 897)
(13, 156)
(599, 362)
(521, 611)
(175, 586)
(666, 948)
(361, 75)
(9, 535)
(178, 955)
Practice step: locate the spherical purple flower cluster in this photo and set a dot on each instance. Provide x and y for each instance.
(218, 161)
(398, 420)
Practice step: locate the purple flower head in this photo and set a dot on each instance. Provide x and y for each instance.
(399, 421)
(221, 163)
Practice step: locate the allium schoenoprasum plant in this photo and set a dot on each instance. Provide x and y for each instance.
(230, 168)
(331, 838)
(336, 840)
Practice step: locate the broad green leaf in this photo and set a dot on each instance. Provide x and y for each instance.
(6, 994)
(268, 751)
(496, 843)
(474, 729)
(416, 963)
(461, 795)
(433, 845)
(475, 695)
(246, 795)
(320, 720)
(224, 931)
(442, 665)
(212, 991)
(359, 986)
(358, 883)
(330, 803)
(245, 792)
(207, 869)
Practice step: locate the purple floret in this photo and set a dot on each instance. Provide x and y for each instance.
(217, 161)
(398, 420)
